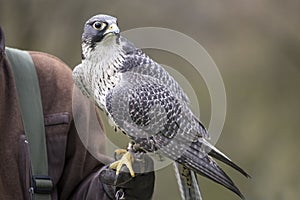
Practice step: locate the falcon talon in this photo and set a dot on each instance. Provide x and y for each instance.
(118, 153)
(127, 159)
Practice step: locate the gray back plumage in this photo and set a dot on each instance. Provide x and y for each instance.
(138, 62)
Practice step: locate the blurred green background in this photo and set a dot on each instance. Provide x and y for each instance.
(256, 46)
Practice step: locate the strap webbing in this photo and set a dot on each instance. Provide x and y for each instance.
(33, 120)
(187, 182)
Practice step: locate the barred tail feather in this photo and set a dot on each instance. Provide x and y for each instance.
(215, 153)
(227, 161)
(206, 166)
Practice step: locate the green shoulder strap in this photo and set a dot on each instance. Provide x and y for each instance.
(33, 121)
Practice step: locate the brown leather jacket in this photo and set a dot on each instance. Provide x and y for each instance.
(73, 170)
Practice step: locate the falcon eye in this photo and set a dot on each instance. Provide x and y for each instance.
(99, 25)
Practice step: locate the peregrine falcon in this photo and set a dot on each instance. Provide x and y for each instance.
(145, 101)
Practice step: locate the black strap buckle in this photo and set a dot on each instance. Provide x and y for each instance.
(42, 184)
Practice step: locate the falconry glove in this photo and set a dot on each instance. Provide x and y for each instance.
(124, 186)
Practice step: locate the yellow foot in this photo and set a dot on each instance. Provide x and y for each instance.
(126, 160)
(120, 151)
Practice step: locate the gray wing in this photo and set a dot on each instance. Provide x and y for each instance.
(138, 62)
(146, 104)
(147, 110)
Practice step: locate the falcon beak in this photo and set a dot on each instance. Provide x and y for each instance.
(113, 28)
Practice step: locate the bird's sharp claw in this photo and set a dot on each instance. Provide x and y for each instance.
(126, 160)
(120, 151)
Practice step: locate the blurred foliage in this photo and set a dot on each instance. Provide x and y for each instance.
(255, 44)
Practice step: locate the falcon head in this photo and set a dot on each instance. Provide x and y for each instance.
(99, 29)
